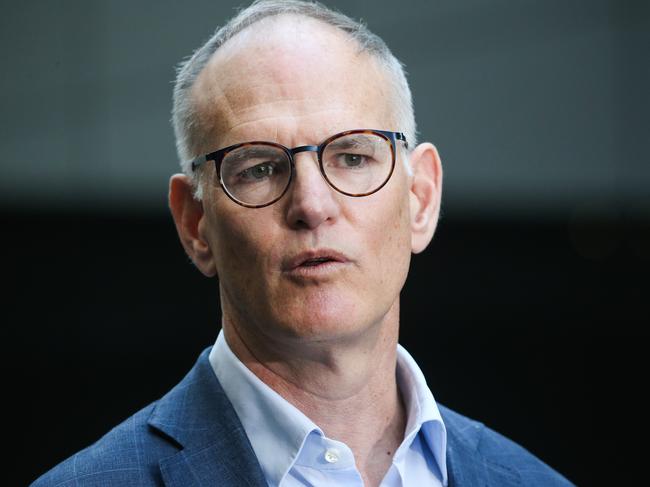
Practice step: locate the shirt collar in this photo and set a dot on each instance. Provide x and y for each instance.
(423, 415)
(275, 428)
(278, 430)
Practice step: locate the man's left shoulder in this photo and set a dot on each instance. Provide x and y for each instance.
(499, 455)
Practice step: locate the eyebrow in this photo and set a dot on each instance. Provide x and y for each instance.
(352, 142)
(253, 152)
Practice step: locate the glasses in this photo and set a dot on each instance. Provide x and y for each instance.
(257, 174)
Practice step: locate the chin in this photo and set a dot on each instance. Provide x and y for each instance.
(325, 322)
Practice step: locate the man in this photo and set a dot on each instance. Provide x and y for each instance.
(305, 192)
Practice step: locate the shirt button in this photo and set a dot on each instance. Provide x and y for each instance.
(332, 455)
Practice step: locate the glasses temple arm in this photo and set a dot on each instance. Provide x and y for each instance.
(196, 162)
(402, 137)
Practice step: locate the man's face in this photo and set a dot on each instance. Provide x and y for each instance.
(296, 82)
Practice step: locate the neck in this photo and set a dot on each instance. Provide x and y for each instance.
(332, 381)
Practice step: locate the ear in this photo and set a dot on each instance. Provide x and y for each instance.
(188, 215)
(425, 195)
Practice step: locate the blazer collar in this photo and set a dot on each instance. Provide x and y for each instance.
(466, 465)
(198, 416)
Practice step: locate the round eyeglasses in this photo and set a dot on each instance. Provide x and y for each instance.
(257, 174)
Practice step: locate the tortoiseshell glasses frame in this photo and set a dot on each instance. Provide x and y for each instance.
(218, 157)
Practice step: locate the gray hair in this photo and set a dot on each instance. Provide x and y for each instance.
(184, 118)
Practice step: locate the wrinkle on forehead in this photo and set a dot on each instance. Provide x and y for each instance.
(267, 128)
(288, 66)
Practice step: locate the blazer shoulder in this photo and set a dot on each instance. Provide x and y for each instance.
(502, 451)
(128, 455)
(501, 454)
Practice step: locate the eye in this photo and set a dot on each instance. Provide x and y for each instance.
(258, 171)
(352, 160)
(348, 160)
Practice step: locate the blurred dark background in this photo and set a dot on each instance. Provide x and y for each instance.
(528, 312)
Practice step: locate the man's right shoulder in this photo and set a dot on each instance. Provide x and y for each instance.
(128, 455)
(190, 436)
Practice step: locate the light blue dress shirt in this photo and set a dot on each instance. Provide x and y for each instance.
(293, 451)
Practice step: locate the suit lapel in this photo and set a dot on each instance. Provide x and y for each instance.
(198, 416)
(465, 468)
(466, 465)
(217, 464)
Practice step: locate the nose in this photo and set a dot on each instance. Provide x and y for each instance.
(312, 202)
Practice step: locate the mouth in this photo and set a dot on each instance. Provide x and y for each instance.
(317, 261)
(313, 260)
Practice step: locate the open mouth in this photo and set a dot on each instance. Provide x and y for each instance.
(314, 259)
(317, 261)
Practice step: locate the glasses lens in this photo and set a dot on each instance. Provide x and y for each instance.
(256, 174)
(358, 164)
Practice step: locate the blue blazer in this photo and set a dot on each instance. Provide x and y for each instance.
(193, 437)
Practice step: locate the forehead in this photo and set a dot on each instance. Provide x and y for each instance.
(286, 75)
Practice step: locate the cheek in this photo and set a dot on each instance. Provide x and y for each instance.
(397, 230)
(392, 242)
(225, 237)
(400, 240)
(242, 244)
